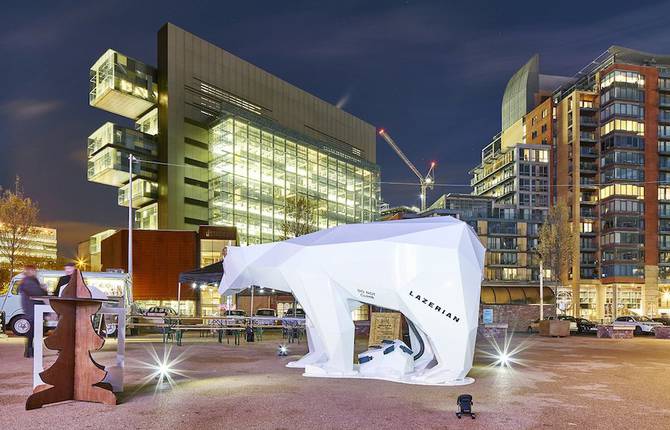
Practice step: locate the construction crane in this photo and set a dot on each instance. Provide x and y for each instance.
(425, 182)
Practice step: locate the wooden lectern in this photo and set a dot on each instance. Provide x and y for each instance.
(74, 375)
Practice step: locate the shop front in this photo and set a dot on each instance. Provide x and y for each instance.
(600, 303)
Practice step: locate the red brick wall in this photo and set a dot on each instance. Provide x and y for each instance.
(517, 317)
(158, 258)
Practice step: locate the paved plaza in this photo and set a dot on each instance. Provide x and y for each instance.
(579, 382)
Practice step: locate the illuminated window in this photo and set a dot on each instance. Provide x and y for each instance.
(664, 193)
(254, 171)
(623, 76)
(509, 273)
(622, 125)
(622, 190)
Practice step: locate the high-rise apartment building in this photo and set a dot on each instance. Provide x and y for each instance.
(515, 172)
(607, 136)
(222, 142)
(612, 165)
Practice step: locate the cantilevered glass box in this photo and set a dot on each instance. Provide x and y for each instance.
(122, 85)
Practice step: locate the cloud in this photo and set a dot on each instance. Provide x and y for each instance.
(29, 109)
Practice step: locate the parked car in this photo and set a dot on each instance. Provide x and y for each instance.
(642, 324)
(662, 320)
(266, 312)
(580, 325)
(157, 314)
(236, 316)
(160, 311)
(236, 313)
(299, 313)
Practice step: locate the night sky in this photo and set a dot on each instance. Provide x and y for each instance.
(431, 73)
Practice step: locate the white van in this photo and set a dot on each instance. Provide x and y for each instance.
(112, 284)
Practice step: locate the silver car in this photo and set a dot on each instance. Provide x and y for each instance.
(642, 324)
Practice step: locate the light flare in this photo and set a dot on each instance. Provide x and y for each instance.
(162, 370)
(505, 355)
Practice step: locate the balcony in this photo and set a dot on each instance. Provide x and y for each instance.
(589, 183)
(110, 166)
(143, 192)
(588, 199)
(587, 122)
(142, 145)
(588, 212)
(587, 152)
(586, 107)
(585, 166)
(588, 245)
(587, 137)
(122, 85)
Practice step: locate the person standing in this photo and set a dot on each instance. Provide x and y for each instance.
(30, 287)
(65, 279)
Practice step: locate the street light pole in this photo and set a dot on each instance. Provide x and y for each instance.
(131, 158)
(541, 291)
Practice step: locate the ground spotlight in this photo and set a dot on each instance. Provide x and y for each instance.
(282, 351)
(163, 370)
(464, 403)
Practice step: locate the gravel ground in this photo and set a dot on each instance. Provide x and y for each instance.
(570, 383)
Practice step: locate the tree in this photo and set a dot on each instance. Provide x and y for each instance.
(557, 241)
(18, 218)
(300, 216)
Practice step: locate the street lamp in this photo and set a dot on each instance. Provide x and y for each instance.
(80, 263)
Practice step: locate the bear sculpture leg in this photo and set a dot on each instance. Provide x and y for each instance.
(331, 333)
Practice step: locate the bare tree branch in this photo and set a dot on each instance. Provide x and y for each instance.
(18, 218)
(557, 241)
(300, 216)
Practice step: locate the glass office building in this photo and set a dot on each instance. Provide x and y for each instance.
(255, 170)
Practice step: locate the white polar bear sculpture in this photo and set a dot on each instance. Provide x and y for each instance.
(430, 269)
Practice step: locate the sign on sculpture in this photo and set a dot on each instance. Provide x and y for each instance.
(384, 325)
